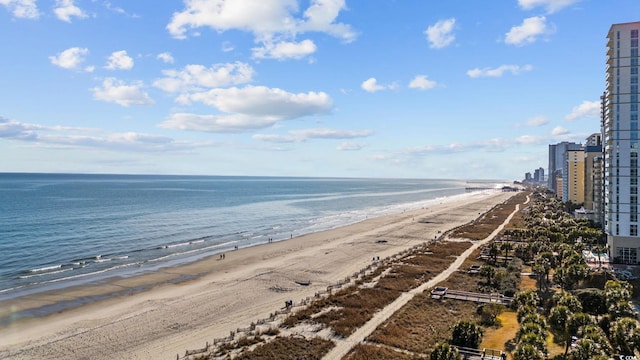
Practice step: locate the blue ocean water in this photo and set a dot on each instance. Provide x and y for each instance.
(59, 230)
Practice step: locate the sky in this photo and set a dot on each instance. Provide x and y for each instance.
(457, 89)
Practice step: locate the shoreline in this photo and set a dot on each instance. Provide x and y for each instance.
(160, 314)
(134, 267)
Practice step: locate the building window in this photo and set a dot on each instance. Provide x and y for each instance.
(633, 230)
(634, 33)
(634, 42)
(634, 71)
(634, 80)
(627, 255)
(634, 52)
(634, 62)
(634, 89)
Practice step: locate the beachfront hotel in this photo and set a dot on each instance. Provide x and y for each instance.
(558, 165)
(620, 142)
(574, 177)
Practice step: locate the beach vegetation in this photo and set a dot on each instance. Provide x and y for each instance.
(288, 348)
(489, 313)
(466, 334)
(351, 307)
(373, 351)
(443, 351)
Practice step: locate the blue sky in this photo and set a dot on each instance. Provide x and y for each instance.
(369, 88)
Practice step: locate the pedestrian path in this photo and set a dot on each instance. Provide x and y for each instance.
(343, 346)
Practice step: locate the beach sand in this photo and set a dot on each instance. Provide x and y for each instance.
(159, 315)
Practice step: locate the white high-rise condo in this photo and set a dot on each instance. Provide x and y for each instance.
(620, 135)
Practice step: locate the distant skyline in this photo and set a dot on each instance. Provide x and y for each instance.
(335, 88)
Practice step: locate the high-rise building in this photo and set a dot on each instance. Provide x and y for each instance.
(557, 164)
(538, 175)
(620, 141)
(573, 177)
(593, 178)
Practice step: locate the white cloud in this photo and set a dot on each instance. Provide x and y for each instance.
(285, 50)
(197, 77)
(65, 9)
(586, 109)
(297, 136)
(118, 9)
(227, 46)
(349, 146)
(528, 31)
(71, 58)
(441, 33)
(119, 60)
(264, 102)
(321, 16)
(11, 129)
(23, 9)
(530, 140)
(263, 18)
(248, 108)
(371, 85)
(499, 71)
(537, 121)
(421, 82)
(165, 57)
(559, 130)
(550, 5)
(119, 92)
(85, 137)
(234, 123)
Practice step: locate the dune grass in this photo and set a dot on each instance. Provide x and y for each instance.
(352, 307)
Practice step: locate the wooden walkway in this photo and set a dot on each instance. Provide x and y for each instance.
(475, 297)
(477, 354)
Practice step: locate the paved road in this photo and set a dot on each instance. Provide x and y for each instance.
(344, 346)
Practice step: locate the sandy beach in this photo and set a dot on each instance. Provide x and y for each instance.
(159, 315)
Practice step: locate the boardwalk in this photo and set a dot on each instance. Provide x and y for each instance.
(476, 297)
(345, 345)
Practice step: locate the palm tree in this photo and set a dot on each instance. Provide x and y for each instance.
(444, 351)
(488, 271)
(587, 349)
(625, 335)
(527, 352)
(558, 321)
(506, 247)
(493, 251)
(466, 334)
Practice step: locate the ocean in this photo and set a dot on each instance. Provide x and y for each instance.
(60, 230)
